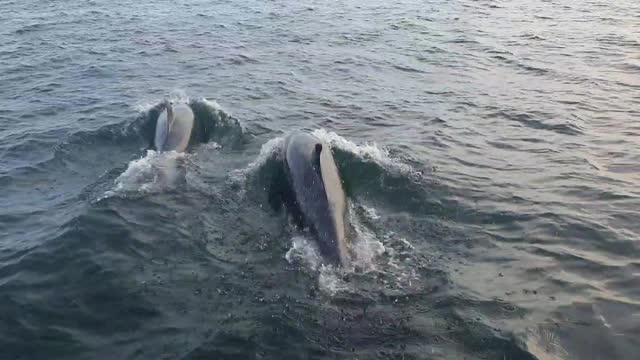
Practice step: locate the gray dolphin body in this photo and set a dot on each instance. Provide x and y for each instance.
(173, 128)
(318, 196)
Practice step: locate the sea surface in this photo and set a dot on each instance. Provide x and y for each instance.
(490, 151)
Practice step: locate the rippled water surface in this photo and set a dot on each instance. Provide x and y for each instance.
(490, 151)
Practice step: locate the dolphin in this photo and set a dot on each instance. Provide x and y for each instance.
(173, 128)
(315, 195)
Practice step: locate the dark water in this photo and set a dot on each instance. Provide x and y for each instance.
(490, 151)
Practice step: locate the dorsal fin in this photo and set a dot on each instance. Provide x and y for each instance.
(316, 157)
(170, 114)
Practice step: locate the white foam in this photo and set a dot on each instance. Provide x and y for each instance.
(330, 282)
(211, 145)
(153, 172)
(370, 213)
(364, 249)
(366, 151)
(304, 252)
(365, 246)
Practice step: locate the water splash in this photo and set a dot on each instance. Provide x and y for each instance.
(387, 258)
(365, 246)
(370, 213)
(151, 173)
(330, 282)
(304, 252)
(305, 255)
(366, 151)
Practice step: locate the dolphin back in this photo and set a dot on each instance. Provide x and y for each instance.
(173, 128)
(162, 130)
(318, 193)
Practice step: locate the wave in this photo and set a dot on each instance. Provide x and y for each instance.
(541, 121)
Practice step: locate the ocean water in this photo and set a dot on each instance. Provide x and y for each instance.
(490, 151)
